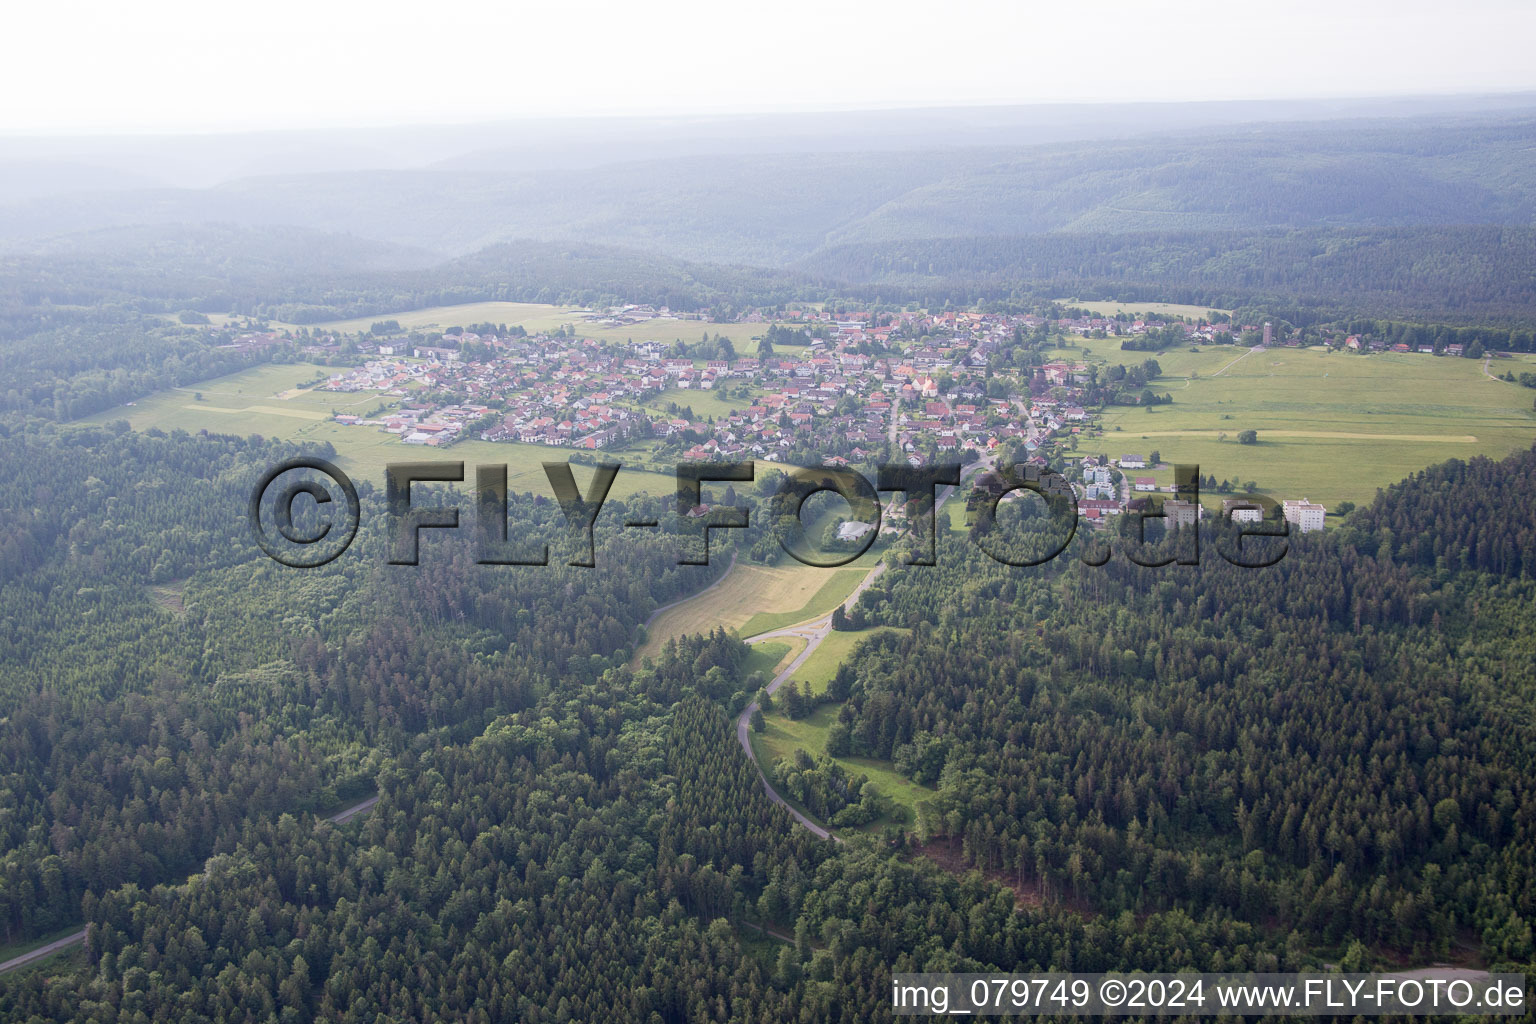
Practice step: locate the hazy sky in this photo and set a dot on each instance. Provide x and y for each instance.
(83, 65)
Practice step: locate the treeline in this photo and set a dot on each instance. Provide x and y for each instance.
(70, 372)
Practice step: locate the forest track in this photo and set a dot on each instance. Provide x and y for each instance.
(47, 949)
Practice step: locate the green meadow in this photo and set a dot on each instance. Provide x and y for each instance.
(768, 656)
(705, 402)
(822, 665)
(265, 400)
(1331, 426)
(536, 316)
(783, 736)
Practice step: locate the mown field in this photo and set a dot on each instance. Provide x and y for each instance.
(1331, 426)
(265, 400)
(754, 598)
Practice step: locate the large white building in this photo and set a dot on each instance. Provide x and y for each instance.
(1304, 515)
(1240, 511)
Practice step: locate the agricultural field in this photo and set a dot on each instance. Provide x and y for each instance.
(267, 400)
(1163, 308)
(1330, 426)
(535, 317)
(751, 595)
(532, 316)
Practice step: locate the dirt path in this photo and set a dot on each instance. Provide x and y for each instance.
(1245, 355)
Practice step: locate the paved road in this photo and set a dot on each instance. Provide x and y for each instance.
(813, 633)
(342, 817)
(42, 951)
(48, 949)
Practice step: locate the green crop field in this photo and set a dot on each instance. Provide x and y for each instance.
(265, 400)
(1330, 426)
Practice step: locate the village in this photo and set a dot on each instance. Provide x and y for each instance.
(848, 389)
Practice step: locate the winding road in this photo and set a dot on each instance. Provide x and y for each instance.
(47, 949)
(813, 632)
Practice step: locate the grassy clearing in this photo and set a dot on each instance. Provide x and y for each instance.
(783, 737)
(771, 655)
(702, 402)
(821, 666)
(748, 592)
(833, 591)
(1331, 426)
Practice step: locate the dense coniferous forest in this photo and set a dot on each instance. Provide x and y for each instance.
(1327, 761)
(1336, 745)
(1203, 767)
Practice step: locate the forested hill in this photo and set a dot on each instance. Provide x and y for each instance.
(1340, 745)
(301, 276)
(1171, 768)
(772, 209)
(1456, 273)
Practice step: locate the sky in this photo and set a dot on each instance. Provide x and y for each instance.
(84, 66)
